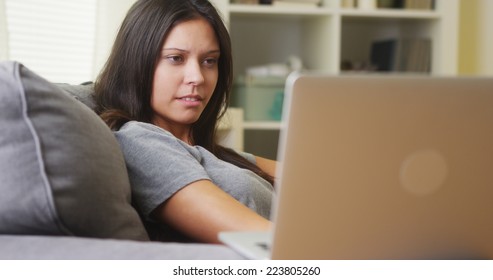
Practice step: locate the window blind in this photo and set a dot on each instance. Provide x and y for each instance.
(4, 50)
(55, 38)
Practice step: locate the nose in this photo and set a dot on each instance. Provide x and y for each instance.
(193, 73)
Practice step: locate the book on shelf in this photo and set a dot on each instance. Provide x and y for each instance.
(348, 3)
(419, 4)
(406, 4)
(248, 2)
(301, 1)
(283, 3)
(383, 55)
(296, 3)
(402, 55)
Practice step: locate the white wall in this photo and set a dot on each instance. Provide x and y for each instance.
(476, 37)
(110, 15)
(485, 42)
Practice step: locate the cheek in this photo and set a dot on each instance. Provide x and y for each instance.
(212, 79)
(162, 85)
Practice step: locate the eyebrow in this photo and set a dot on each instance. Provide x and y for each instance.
(181, 50)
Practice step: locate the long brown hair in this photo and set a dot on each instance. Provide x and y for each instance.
(123, 88)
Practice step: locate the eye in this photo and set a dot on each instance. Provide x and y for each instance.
(210, 62)
(175, 59)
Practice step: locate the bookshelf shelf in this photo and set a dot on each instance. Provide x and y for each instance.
(391, 13)
(325, 38)
(242, 9)
(262, 125)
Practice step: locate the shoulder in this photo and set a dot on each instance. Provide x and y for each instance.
(135, 128)
(138, 139)
(250, 157)
(140, 132)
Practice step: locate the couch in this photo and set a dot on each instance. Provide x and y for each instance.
(65, 192)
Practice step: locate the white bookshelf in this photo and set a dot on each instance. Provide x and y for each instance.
(324, 36)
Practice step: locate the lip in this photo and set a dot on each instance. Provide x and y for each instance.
(192, 100)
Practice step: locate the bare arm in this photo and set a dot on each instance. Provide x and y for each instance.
(267, 165)
(201, 210)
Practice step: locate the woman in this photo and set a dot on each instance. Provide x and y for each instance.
(164, 87)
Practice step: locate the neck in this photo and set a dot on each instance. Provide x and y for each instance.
(182, 132)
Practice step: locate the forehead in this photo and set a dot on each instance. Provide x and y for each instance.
(194, 33)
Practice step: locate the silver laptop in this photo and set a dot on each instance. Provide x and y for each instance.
(381, 167)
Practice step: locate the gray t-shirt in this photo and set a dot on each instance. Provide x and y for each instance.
(159, 165)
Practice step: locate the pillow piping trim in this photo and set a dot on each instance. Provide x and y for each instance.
(46, 183)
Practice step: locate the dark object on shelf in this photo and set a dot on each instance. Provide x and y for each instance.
(402, 55)
(383, 54)
(346, 65)
(265, 2)
(406, 4)
(391, 4)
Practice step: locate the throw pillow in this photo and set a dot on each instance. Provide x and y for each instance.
(61, 169)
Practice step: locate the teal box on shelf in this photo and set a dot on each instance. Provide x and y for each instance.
(260, 97)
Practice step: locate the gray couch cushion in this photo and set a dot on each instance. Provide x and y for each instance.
(83, 93)
(61, 169)
(78, 248)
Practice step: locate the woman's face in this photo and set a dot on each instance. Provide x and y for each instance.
(185, 76)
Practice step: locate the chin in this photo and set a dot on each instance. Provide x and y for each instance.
(190, 121)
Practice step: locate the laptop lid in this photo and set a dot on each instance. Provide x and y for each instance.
(385, 167)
